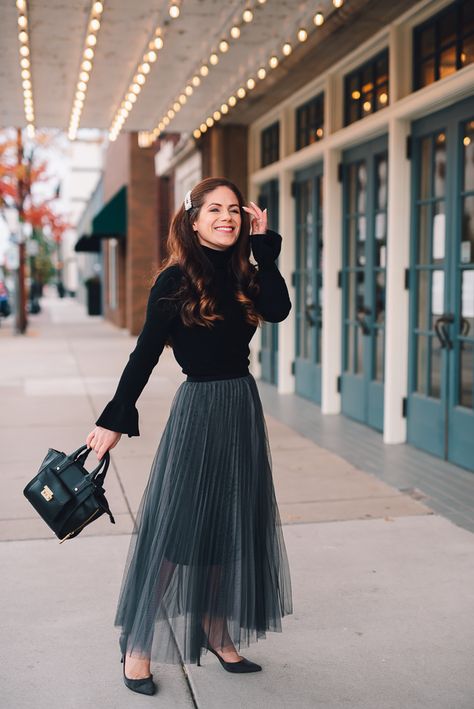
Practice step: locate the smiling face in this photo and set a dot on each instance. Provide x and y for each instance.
(219, 220)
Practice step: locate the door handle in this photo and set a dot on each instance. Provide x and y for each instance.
(310, 320)
(441, 330)
(363, 310)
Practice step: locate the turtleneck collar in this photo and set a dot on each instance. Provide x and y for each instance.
(219, 259)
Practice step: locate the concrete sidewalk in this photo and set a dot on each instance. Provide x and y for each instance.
(382, 587)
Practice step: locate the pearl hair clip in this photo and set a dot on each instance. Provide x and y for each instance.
(187, 201)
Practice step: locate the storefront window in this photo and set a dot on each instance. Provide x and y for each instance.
(310, 122)
(270, 144)
(366, 88)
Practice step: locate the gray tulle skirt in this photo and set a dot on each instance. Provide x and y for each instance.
(207, 549)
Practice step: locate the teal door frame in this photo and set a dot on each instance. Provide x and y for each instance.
(362, 278)
(268, 355)
(440, 414)
(307, 190)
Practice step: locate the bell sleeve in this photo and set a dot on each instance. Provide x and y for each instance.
(120, 414)
(273, 301)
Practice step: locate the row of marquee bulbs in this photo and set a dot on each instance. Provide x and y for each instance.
(25, 66)
(150, 57)
(95, 14)
(146, 138)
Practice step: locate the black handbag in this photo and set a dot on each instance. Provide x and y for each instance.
(66, 495)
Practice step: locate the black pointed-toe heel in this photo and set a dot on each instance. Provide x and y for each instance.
(143, 685)
(243, 665)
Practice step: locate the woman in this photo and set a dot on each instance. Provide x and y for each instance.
(207, 564)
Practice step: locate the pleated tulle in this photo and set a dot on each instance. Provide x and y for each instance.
(207, 549)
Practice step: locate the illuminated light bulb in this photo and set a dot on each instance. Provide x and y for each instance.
(273, 62)
(161, 126)
(30, 129)
(209, 121)
(262, 2)
(24, 51)
(366, 106)
(22, 21)
(81, 85)
(84, 76)
(24, 63)
(224, 46)
(203, 127)
(26, 83)
(170, 114)
(152, 56)
(131, 97)
(89, 53)
(87, 65)
(213, 59)
(261, 73)
(23, 37)
(355, 95)
(302, 35)
(28, 93)
(250, 84)
(241, 92)
(318, 19)
(196, 80)
(21, 5)
(224, 108)
(158, 42)
(188, 90)
(136, 88)
(383, 98)
(197, 133)
(232, 101)
(182, 99)
(466, 140)
(166, 120)
(145, 68)
(337, 3)
(320, 132)
(140, 79)
(124, 112)
(174, 11)
(91, 40)
(247, 15)
(94, 25)
(128, 105)
(25, 74)
(216, 115)
(235, 32)
(81, 95)
(204, 70)
(98, 8)
(286, 49)
(176, 107)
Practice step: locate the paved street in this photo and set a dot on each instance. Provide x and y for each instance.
(382, 586)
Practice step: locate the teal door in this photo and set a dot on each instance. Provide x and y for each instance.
(365, 185)
(268, 356)
(308, 193)
(440, 414)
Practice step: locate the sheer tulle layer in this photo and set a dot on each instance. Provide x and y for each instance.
(207, 549)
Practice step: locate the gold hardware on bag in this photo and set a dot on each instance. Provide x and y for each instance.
(47, 493)
(80, 526)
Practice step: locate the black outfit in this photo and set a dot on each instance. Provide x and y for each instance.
(220, 353)
(208, 543)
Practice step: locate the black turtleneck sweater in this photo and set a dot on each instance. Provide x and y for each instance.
(203, 353)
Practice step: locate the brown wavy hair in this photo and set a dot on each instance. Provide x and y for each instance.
(196, 292)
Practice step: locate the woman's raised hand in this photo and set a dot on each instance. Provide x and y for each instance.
(101, 440)
(258, 219)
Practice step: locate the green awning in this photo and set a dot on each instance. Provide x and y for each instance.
(111, 221)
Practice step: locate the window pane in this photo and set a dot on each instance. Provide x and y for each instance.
(423, 300)
(447, 62)
(467, 51)
(421, 364)
(425, 168)
(467, 243)
(435, 378)
(447, 28)
(440, 165)
(427, 41)
(427, 72)
(468, 149)
(379, 315)
(466, 375)
(424, 234)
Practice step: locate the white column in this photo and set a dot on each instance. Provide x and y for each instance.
(286, 264)
(331, 306)
(396, 300)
